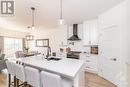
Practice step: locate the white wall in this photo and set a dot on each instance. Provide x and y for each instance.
(12, 33)
(128, 4)
(57, 36)
(128, 67)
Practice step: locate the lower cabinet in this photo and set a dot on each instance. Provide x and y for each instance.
(92, 64)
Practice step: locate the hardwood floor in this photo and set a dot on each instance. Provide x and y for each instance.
(3, 80)
(91, 80)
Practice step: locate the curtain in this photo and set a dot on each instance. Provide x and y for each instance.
(1, 44)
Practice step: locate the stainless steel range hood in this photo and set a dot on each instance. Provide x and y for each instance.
(75, 33)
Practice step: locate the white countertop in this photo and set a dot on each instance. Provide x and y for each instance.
(65, 67)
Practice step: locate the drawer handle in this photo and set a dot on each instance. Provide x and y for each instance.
(89, 42)
(87, 67)
(113, 59)
(87, 61)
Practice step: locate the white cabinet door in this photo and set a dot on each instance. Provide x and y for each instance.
(113, 48)
(90, 33)
(94, 32)
(110, 54)
(86, 33)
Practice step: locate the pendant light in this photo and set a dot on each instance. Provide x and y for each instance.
(33, 21)
(61, 20)
(29, 37)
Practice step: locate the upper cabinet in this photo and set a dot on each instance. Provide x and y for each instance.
(90, 32)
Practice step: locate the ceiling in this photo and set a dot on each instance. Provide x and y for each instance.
(47, 12)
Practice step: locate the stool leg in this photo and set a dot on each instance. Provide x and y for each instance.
(17, 82)
(15, 85)
(9, 78)
(25, 84)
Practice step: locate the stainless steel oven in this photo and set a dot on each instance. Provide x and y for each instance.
(74, 54)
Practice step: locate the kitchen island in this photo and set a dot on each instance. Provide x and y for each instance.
(71, 69)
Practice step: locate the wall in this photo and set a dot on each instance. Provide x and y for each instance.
(78, 45)
(128, 67)
(128, 1)
(128, 79)
(11, 33)
(1, 44)
(58, 38)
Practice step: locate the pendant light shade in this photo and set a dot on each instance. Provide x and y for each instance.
(29, 37)
(33, 27)
(61, 20)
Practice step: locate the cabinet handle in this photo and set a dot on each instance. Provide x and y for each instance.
(87, 61)
(87, 67)
(89, 42)
(113, 59)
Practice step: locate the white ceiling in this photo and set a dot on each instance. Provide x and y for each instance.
(47, 11)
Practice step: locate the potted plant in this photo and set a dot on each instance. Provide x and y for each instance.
(26, 49)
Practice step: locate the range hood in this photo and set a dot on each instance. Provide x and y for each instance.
(75, 33)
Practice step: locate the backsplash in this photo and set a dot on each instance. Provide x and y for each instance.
(58, 39)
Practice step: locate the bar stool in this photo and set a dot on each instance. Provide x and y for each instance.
(32, 76)
(53, 80)
(11, 72)
(20, 74)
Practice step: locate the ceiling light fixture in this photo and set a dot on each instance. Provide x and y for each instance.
(61, 20)
(29, 37)
(33, 19)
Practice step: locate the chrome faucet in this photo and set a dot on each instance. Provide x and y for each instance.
(48, 51)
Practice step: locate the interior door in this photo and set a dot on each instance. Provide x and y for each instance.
(110, 53)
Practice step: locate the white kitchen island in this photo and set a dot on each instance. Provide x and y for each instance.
(72, 69)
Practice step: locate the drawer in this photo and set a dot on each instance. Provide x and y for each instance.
(91, 65)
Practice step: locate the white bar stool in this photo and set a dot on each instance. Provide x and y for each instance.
(11, 72)
(32, 76)
(53, 80)
(20, 74)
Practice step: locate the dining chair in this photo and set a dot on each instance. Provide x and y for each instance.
(20, 74)
(11, 73)
(32, 76)
(53, 80)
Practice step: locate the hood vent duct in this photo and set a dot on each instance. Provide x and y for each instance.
(75, 33)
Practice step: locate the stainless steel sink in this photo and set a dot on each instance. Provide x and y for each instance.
(53, 58)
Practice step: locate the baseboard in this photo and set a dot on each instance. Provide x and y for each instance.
(91, 71)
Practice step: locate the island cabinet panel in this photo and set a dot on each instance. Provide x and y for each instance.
(79, 80)
(90, 32)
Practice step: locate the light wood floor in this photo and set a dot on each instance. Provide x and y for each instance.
(91, 80)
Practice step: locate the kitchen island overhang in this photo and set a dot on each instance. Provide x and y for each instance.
(71, 69)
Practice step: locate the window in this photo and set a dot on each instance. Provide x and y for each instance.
(11, 45)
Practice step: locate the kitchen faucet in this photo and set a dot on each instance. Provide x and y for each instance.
(48, 51)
